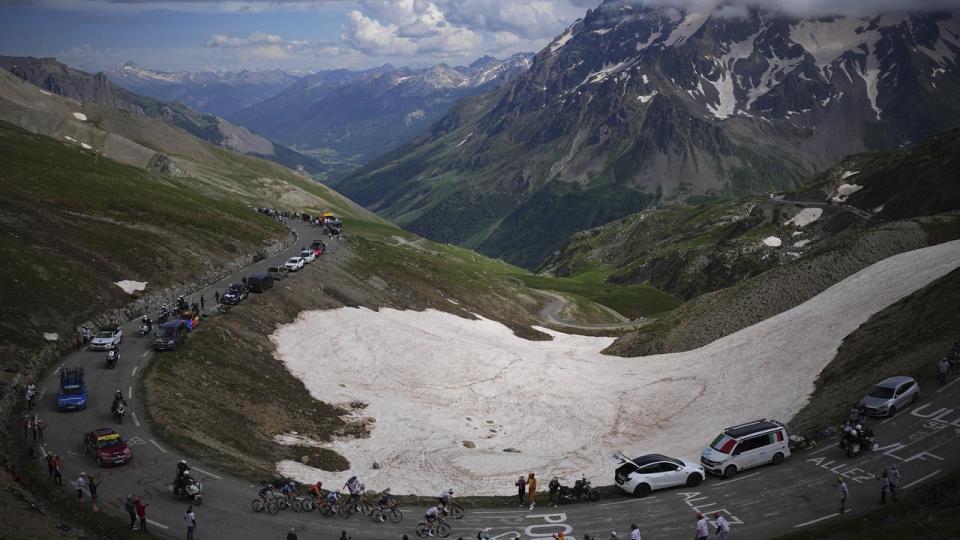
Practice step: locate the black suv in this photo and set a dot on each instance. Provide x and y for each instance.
(236, 293)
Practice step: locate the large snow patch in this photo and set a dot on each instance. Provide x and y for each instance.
(433, 380)
(129, 286)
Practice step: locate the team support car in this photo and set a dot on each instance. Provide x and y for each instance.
(294, 264)
(747, 445)
(235, 293)
(308, 256)
(642, 475)
(73, 390)
(106, 338)
(107, 446)
(169, 335)
(890, 395)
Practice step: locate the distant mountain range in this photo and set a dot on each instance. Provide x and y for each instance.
(58, 78)
(351, 117)
(215, 92)
(635, 106)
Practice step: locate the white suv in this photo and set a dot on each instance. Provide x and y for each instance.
(745, 446)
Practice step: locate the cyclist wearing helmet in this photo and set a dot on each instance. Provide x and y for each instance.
(433, 513)
(314, 489)
(445, 498)
(383, 502)
(287, 489)
(332, 497)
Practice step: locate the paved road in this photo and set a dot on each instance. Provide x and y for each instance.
(761, 503)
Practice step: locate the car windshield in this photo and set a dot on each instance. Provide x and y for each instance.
(723, 444)
(881, 392)
(294, 260)
(71, 390)
(166, 331)
(235, 288)
(105, 334)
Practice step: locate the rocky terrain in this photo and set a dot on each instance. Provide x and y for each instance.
(634, 106)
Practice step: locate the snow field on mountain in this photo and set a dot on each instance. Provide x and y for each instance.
(434, 380)
(805, 217)
(129, 286)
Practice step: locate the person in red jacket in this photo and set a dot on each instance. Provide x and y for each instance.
(141, 513)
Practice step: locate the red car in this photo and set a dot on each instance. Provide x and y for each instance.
(107, 446)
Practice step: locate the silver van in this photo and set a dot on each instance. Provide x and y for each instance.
(747, 445)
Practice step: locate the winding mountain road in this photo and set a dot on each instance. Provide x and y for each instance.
(761, 503)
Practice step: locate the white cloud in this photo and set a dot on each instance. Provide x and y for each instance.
(407, 28)
(257, 38)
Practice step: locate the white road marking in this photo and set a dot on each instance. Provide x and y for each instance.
(154, 523)
(145, 353)
(504, 512)
(43, 451)
(208, 473)
(135, 368)
(918, 480)
(818, 520)
(824, 449)
(158, 446)
(135, 420)
(614, 503)
(130, 392)
(737, 479)
(948, 385)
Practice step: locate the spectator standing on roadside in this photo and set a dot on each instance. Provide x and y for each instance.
(292, 535)
(554, 487)
(723, 528)
(844, 493)
(92, 485)
(131, 507)
(78, 485)
(884, 478)
(634, 532)
(29, 393)
(141, 513)
(202, 302)
(894, 477)
(559, 535)
(39, 424)
(532, 490)
(216, 297)
(57, 473)
(521, 489)
(191, 519)
(50, 465)
(942, 367)
(703, 529)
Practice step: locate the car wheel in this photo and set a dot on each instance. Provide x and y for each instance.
(777, 458)
(915, 398)
(730, 471)
(892, 411)
(694, 480)
(641, 491)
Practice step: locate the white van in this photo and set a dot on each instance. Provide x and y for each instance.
(747, 445)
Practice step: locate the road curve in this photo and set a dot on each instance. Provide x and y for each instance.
(761, 503)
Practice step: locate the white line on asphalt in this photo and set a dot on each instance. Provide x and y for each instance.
(208, 473)
(158, 446)
(918, 480)
(161, 525)
(824, 449)
(43, 451)
(134, 372)
(135, 420)
(818, 520)
(737, 479)
(145, 353)
(503, 512)
(949, 384)
(130, 392)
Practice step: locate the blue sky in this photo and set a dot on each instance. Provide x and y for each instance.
(287, 34)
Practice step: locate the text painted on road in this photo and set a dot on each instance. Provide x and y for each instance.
(544, 526)
(703, 504)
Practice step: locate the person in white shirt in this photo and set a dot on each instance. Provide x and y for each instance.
(703, 531)
(894, 477)
(723, 528)
(844, 493)
(634, 532)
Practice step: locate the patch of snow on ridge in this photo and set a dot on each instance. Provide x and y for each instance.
(827, 39)
(805, 217)
(801, 243)
(562, 40)
(44, 92)
(80, 116)
(687, 27)
(727, 101)
(86, 146)
(51, 336)
(843, 192)
(69, 138)
(130, 286)
(644, 99)
(671, 402)
(848, 174)
(772, 241)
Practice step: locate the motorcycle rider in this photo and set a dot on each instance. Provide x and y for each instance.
(117, 400)
(145, 324)
(114, 353)
(182, 468)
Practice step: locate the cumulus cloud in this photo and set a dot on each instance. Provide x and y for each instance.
(406, 27)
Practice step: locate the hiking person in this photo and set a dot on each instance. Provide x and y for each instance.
(521, 489)
(884, 478)
(554, 487)
(57, 474)
(894, 478)
(844, 493)
(191, 519)
(131, 507)
(532, 490)
(78, 485)
(723, 527)
(141, 513)
(942, 367)
(634, 532)
(703, 529)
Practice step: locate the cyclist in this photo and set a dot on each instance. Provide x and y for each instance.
(445, 498)
(383, 502)
(287, 490)
(264, 492)
(315, 489)
(333, 497)
(432, 515)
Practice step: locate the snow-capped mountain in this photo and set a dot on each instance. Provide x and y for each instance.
(361, 115)
(634, 106)
(215, 92)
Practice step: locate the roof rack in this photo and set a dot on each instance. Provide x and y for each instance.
(750, 428)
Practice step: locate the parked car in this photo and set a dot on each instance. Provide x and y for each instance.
(277, 272)
(294, 264)
(642, 475)
(73, 390)
(107, 446)
(747, 445)
(890, 395)
(318, 247)
(106, 338)
(169, 335)
(307, 256)
(259, 282)
(236, 293)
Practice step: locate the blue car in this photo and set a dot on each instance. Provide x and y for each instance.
(73, 390)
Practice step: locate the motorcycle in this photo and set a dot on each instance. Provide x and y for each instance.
(853, 441)
(188, 489)
(163, 315)
(581, 490)
(119, 410)
(144, 329)
(113, 356)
